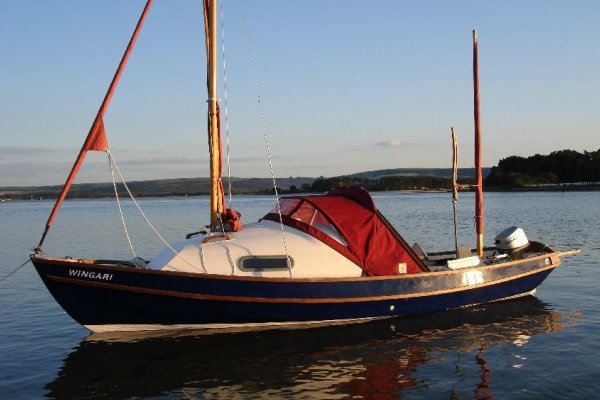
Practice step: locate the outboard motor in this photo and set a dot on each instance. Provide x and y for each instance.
(512, 241)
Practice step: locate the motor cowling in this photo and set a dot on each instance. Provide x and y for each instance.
(512, 241)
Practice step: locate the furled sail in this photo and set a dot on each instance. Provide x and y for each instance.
(217, 196)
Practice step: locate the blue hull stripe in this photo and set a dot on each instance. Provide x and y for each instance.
(287, 288)
(121, 295)
(319, 300)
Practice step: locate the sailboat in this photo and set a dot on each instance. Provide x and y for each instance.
(314, 259)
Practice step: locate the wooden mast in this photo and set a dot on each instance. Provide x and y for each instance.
(478, 174)
(214, 143)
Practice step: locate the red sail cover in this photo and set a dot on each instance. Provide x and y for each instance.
(370, 241)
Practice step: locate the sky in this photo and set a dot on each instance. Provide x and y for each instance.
(345, 85)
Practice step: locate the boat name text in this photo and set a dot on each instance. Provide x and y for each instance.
(90, 274)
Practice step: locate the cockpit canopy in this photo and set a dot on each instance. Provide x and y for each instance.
(347, 220)
(305, 212)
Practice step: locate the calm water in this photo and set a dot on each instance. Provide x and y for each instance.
(534, 348)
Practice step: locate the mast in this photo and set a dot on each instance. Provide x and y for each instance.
(96, 138)
(217, 199)
(478, 174)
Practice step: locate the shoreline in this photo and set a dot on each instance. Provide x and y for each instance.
(38, 197)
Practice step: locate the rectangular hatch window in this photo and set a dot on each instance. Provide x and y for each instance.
(264, 263)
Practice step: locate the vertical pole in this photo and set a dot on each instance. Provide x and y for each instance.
(214, 140)
(455, 185)
(478, 174)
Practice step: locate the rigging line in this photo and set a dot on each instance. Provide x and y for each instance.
(225, 103)
(265, 133)
(15, 270)
(144, 215)
(227, 249)
(112, 173)
(202, 257)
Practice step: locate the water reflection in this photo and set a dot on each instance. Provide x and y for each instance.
(377, 360)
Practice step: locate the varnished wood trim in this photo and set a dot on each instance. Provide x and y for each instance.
(246, 299)
(220, 238)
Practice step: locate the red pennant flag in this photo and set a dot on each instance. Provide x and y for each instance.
(97, 140)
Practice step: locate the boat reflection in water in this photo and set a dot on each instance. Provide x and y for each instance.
(380, 359)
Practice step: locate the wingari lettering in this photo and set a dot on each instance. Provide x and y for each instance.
(90, 274)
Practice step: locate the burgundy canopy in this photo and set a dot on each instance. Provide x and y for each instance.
(347, 220)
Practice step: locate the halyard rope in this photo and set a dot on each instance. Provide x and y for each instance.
(225, 104)
(144, 215)
(112, 173)
(265, 133)
(227, 249)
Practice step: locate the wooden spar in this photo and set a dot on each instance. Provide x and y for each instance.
(214, 143)
(455, 185)
(91, 142)
(478, 174)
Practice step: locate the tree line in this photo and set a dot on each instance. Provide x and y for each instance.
(563, 166)
(385, 183)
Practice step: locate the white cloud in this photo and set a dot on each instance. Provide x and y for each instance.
(389, 143)
(395, 143)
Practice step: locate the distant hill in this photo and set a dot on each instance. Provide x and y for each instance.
(409, 172)
(397, 179)
(384, 179)
(161, 187)
(511, 172)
